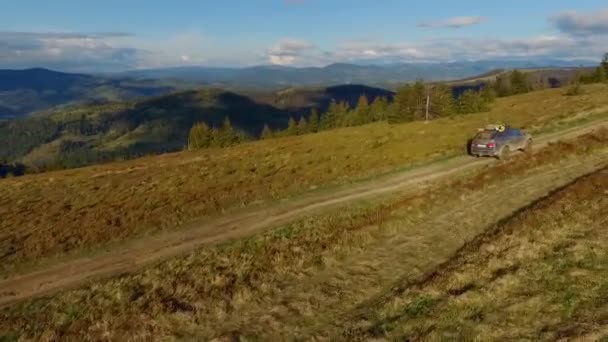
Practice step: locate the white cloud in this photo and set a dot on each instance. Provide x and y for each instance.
(290, 51)
(65, 50)
(572, 22)
(452, 49)
(454, 22)
(575, 35)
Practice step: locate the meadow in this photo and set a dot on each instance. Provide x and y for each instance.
(61, 212)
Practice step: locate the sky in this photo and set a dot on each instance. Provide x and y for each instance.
(113, 35)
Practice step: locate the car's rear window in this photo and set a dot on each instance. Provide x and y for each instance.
(486, 135)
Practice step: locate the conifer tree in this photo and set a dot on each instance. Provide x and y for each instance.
(226, 135)
(313, 121)
(471, 101)
(200, 136)
(292, 127)
(267, 133)
(302, 125)
(361, 114)
(519, 82)
(330, 118)
(409, 103)
(378, 109)
(441, 101)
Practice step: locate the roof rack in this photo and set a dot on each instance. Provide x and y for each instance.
(493, 127)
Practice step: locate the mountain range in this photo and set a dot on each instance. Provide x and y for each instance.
(23, 92)
(379, 75)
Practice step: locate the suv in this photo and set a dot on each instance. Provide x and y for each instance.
(498, 141)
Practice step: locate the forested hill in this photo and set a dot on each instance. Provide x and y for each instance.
(87, 134)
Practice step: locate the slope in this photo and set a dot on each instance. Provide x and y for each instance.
(541, 274)
(118, 201)
(295, 282)
(88, 134)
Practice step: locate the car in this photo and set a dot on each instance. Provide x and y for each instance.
(499, 141)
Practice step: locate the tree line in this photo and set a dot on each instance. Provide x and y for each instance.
(203, 136)
(417, 101)
(600, 74)
(411, 102)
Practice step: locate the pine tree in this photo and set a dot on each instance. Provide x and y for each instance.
(302, 125)
(361, 114)
(313, 121)
(292, 127)
(378, 109)
(226, 136)
(519, 82)
(410, 103)
(200, 136)
(402, 110)
(266, 133)
(441, 101)
(330, 118)
(343, 114)
(471, 101)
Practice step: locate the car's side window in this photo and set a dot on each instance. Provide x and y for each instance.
(512, 133)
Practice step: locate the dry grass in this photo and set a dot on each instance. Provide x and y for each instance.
(51, 214)
(543, 275)
(243, 285)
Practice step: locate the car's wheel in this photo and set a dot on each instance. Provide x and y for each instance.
(469, 147)
(504, 153)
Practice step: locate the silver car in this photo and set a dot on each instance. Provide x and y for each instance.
(499, 141)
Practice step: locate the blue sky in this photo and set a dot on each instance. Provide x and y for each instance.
(115, 35)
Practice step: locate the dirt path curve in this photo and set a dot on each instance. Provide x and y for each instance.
(136, 254)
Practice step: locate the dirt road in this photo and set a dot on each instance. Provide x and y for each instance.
(145, 251)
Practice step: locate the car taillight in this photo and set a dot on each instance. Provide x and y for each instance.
(491, 145)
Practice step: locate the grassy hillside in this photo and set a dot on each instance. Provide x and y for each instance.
(25, 91)
(120, 200)
(291, 283)
(542, 275)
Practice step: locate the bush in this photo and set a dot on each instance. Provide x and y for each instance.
(575, 90)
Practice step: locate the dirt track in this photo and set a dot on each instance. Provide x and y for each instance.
(137, 254)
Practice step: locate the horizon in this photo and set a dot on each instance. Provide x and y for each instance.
(65, 36)
(582, 63)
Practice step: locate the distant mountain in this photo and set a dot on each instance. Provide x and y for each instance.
(343, 73)
(25, 91)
